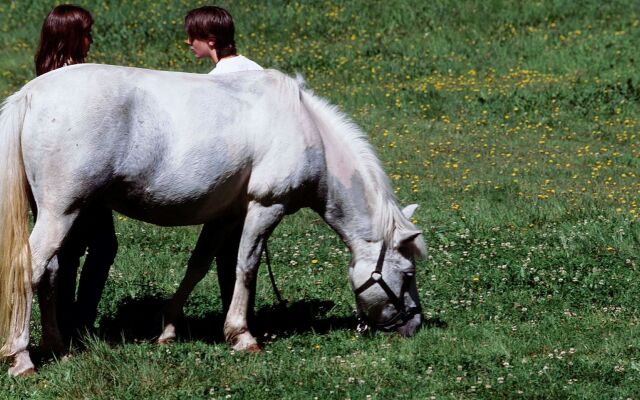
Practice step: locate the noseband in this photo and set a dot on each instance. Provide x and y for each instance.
(403, 315)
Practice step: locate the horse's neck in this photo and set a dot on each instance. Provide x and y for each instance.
(349, 209)
(357, 189)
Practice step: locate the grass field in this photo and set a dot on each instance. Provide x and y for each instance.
(516, 127)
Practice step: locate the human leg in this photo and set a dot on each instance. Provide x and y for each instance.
(101, 252)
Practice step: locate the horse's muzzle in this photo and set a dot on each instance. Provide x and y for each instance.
(410, 327)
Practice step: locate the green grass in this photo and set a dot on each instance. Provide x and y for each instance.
(515, 126)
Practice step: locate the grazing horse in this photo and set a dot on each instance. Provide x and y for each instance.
(236, 150)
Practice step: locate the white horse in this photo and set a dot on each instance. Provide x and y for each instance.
(181, 149)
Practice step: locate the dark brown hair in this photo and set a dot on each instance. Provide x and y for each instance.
(62, 38)
(212, 23)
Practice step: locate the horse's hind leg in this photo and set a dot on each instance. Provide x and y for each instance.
(52, 338)
(258, 225)
(197, 267)
(45, 240)
(45, 276)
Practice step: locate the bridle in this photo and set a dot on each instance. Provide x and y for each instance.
(403, 315)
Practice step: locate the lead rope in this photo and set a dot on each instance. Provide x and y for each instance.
(272, 278)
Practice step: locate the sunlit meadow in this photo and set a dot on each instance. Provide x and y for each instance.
(515, 126)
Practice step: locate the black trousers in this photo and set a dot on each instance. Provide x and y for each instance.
(93, 236)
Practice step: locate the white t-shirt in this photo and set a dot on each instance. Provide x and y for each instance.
(234, 64)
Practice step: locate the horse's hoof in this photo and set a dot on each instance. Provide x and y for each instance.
(246, 342)
(254, 348)
(164, 341)
(23, 373)
(22, 365)
(20, 371)
(168, 335)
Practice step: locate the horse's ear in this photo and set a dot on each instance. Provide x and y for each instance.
(405, 238)
(409, 210)
(410, 239)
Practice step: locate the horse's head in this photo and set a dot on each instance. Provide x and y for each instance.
(383, 280)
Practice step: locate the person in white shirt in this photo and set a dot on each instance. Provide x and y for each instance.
(210, 34)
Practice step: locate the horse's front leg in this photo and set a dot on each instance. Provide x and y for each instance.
(197, 267)
(259, 222)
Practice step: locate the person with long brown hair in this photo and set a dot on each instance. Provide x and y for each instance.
(65, 39)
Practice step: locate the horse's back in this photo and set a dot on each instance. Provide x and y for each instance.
(151, 139)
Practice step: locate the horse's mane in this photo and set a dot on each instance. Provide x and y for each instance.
(387, 217)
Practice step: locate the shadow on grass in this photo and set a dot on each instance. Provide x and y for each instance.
(141, 320)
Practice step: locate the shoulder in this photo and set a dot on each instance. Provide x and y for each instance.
(235, 64)
(248, 64)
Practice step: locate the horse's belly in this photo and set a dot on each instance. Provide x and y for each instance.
(191, 213)
(180, 201)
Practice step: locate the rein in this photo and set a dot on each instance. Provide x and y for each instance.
(271, 277)
(403, 314)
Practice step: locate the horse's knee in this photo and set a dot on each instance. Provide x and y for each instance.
(247, 276)
(43, 270)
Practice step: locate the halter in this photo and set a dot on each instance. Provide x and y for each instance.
(403, 314)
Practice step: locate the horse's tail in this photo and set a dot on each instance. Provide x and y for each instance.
(15, 254)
